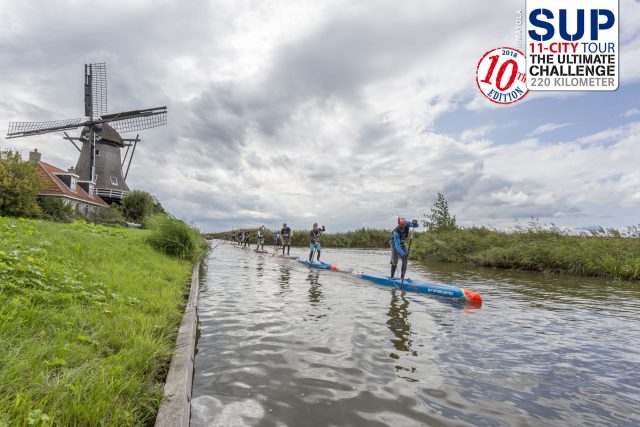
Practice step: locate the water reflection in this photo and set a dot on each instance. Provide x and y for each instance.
(283, 279)
(260, 268)
(398, 323)
(315, 288)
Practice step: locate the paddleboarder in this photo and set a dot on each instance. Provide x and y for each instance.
(260, 237)
(276, 240)
(285, 236)
(398, 244)
(314, 241)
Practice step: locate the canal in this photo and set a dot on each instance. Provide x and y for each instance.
(284, 345)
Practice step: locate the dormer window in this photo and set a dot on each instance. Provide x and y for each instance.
(114, 180)
(72, 187)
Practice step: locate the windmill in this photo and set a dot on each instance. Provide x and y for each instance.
(100, 161)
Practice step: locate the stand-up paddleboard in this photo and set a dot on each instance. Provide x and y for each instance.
(285, 256)
(261, 251)
(318, 264)
(424, 287)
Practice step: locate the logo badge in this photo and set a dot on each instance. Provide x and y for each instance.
(572, 45)
(501, 75)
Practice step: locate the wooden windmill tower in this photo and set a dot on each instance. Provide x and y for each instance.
(101, 161)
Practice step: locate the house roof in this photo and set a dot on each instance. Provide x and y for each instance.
(55, 187)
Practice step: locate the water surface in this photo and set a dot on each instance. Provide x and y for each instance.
(285, 345)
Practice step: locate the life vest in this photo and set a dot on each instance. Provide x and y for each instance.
(402, 231)
(315, 236)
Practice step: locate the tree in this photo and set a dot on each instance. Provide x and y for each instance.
(19, 186)
(137, 205)
(55, 209)
(440, 218)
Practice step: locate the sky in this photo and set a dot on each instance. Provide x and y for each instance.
(348, 114)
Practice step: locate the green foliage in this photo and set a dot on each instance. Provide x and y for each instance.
(137, 205)
(88, 316)
(440, 218)
(19, 186)
(55, 209)
(534, 248)
(111, 216)
(177, 239)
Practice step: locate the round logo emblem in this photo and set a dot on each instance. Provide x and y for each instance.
(501, 75)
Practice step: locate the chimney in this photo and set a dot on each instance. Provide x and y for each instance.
(34, 156)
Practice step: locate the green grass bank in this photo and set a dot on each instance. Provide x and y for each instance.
(531, 249)
(88, 317)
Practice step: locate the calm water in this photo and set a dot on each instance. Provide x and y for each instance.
(283, 345)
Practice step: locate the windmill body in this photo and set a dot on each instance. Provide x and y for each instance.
(101, 161)
(109, 180)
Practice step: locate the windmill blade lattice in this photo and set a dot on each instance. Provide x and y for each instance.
(95, 90)
(19, 129)
(132, 121)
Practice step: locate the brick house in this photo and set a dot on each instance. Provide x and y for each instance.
(81, 195)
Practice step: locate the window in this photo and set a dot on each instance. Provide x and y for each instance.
(97, 152)
(91, 189)
(73, 184)
(114, 180)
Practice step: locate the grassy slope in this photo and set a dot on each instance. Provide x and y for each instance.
(88, 317)
(615, 257)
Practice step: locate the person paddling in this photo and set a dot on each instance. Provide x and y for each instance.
(285, 236)
(314, 241)
(398, 244)
(276, 240)
(260, 237)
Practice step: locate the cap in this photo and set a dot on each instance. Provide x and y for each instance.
(402, 221)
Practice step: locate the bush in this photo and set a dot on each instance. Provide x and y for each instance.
(111, 216)
(137, 205)
(177, 239)
(19, 186)
(55, 209)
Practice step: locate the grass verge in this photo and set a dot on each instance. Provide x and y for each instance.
(540, 250)
(88, 316)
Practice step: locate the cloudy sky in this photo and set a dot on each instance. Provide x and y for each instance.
(344, 113)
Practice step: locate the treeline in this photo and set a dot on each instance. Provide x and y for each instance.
(598, 252)
(365, 238)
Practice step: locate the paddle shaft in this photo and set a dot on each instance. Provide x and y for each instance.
(405, 262)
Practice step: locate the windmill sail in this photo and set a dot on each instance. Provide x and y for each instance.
(20, 129)
(95, 90)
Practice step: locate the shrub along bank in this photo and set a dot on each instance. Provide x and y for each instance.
(88, 317)
(533, 249)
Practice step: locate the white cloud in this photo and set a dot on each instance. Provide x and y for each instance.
(302, 110)
(547, 127)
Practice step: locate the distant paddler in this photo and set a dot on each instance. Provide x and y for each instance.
(285, 237)
(261, 230)
(276, 240)
(314, 241)
(398, 244)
